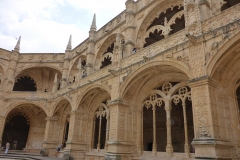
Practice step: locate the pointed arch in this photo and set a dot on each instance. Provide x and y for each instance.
(92, 87)
(106, 47)
(151, 20)
(63, 100)
(171, 63)
(225, 50)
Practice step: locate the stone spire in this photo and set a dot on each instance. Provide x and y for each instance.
(69, 46)
(93, 26)
(17, 47)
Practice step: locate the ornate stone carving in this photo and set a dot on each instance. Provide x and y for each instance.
(200, 102)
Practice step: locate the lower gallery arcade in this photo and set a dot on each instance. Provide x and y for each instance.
(155, 119)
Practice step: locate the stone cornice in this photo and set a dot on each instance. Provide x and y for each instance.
(117, 102)
(202, 81)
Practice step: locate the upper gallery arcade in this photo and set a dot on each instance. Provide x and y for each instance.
(161, 80)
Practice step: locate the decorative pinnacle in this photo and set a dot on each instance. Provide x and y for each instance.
(93, 26)
(17, 47)
(69, 46)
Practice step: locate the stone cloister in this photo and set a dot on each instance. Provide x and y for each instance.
(161, 80)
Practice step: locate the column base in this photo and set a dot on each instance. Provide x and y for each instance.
(169, 150)
(74, 150)
(213, 149)
(75, 146)
(119, 147)
(109, 156)
(119, 150)
(67, 155)
(187, 150)
(49, 148)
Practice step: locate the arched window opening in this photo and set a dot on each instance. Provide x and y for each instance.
(168, 122)
(100, 128)
(25, 83)
(16, 128)
(182, 121)
(66, 131)
(229, 3)
(167, 23)
(178, 25)
(83, 63)
(107, 59)
(238, 98)
(1, 78)
(154, 124)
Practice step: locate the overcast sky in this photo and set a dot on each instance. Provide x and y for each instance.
(45, 25)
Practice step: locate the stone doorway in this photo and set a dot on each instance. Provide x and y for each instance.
(16, 128)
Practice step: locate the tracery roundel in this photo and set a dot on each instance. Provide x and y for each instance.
(166, 87)
(182, 91)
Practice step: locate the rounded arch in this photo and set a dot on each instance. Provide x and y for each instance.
(15, 105)
(224, 51)
(178, 66)
(92, 87)
(108, 43)
(22, 121)
(38, 66)
(148, 19)
(43, 76)
(74, 68)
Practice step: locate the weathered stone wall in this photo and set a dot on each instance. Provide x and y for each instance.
(204, 56)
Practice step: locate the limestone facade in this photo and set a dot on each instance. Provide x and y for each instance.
(159, 81)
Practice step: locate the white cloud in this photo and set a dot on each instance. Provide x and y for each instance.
(42, 26)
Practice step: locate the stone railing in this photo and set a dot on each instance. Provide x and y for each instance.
(156, 49)
(90, 79)
(25, 95)
(226, 17)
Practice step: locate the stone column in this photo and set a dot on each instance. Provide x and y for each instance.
(118, 146)
(169, 147)
(65, 70)
(207, 142)
(186, 146)
(130, 28)
(74, 147)
(107, 132)
(192, 18)
(2, 124)
(154, 147)
(205, 11)
(49, 145)
(55, 84)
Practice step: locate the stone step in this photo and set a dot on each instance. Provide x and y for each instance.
(27, 157)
